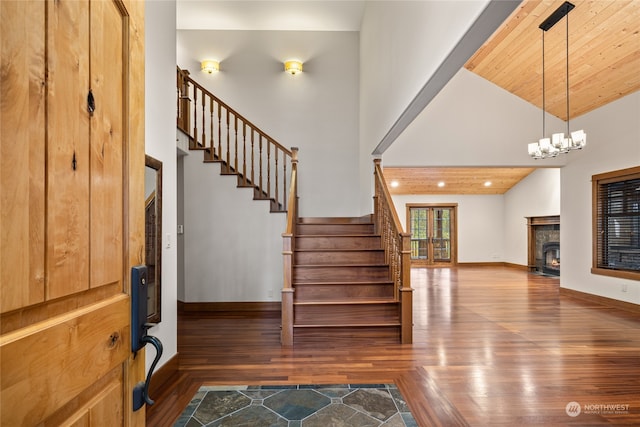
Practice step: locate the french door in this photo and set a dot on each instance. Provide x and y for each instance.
(433, 234)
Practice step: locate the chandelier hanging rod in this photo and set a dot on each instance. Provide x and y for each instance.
(550, 147)
(559, 13)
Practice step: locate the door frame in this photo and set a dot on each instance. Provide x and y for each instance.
(454, 233)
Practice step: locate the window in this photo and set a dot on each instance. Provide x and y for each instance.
(616, 223)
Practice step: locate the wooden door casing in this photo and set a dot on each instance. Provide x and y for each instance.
(72, 210)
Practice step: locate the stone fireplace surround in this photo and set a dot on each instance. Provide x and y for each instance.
(544, 244)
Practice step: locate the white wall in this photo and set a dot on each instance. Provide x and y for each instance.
(232, 243)
(480, 223)
(493, 228)
(613, 143)
(402, 43)
(160, 128)
(316, 111)
(536, 195)
(473, 122)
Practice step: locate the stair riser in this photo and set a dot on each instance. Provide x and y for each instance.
(338, 242)
(334, 229)
(341, 292)
(351, 314)
(339, 273)
(339, 257)
(366, 219)
(346, 336)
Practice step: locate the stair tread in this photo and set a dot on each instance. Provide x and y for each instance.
(345, 282)
(339, 235)
(348, 302)
(350, 264)
(343, 325)
(335, 220)
(339, 250)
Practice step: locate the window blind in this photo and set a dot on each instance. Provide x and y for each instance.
(618, 223)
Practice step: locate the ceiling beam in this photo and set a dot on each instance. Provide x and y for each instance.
(496, 12)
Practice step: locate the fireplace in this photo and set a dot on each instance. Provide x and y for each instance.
(551, 258)
(544, 245)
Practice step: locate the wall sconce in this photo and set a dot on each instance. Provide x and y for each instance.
(209, 66)
(293, 67)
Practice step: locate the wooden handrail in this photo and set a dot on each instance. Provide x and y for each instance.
(233, 112)
(223, 133)
(397, 247)
(288, 245)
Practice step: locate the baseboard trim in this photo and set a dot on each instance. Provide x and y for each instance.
(516, 266)
(493, 264)
(186, 307)
(164, 376)
(607, 302)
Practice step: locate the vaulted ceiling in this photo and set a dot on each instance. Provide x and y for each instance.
(603, 59)
(603, 66)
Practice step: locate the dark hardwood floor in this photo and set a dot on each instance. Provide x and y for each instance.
(492, 347)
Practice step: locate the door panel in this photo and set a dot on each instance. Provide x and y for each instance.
(68, 140)
(107, 34)
(46, 365)
(22, 132)
(105, 409)
(108, 409)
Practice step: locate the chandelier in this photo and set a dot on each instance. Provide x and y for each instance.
(558, 143)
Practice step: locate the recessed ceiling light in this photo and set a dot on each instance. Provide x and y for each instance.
(441, 184)
(487, 184)
(395, 183)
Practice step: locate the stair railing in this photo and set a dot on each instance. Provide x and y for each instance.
(228, 137)
(397, 247)
(288, 245)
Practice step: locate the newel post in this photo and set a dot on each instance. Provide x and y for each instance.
(406, 291)
(286, 337)
(288, 242)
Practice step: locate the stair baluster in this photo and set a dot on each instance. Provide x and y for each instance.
(397, 245)
(199, 122)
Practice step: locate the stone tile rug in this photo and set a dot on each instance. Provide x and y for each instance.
(343, 405)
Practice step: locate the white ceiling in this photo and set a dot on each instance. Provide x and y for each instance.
(319, 15)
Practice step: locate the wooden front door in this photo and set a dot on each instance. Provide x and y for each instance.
(72, 209)
(433, 231)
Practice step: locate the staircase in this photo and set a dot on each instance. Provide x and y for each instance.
(341, 282)
(345, 279)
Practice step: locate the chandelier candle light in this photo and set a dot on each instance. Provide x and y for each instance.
(558, 143)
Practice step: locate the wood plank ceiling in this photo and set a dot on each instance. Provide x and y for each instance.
(454, 180)
(604, 65)
(604, 55)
